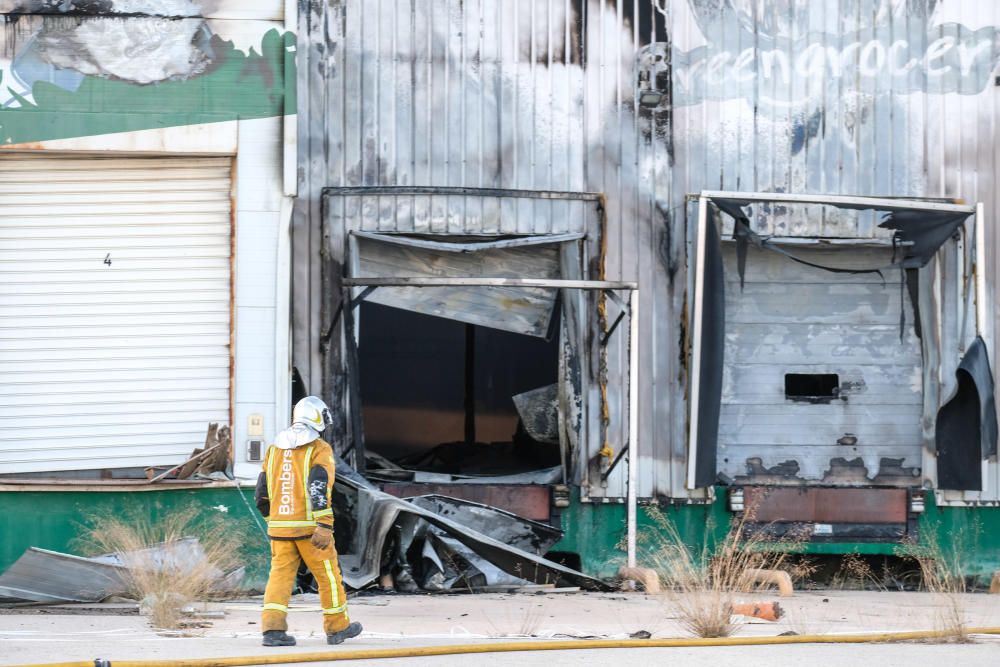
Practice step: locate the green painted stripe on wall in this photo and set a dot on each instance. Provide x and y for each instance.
(239, 86)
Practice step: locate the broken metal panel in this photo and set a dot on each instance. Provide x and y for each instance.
(48, 576)
(795, 319)
(40, 575)
(374, 513)
(531, 536)
(917, 234)
(710, 330)
(520, 310)
(450, 243)
(967, 424)
(539, 412)
(448, 555)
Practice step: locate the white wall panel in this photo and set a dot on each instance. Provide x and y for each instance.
(258, 202)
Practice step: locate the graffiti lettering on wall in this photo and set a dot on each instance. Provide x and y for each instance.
(959, 61)
(784, 50)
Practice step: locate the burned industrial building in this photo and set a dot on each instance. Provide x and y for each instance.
(551, 262)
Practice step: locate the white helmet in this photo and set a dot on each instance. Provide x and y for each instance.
(312, 412)
(309, 419)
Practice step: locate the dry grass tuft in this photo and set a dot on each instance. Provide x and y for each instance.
(165, 584)
(942, 575)
(856, 573)
(523, 617)
(703, 587)
(800, 568)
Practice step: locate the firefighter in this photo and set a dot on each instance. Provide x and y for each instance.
(293, 493)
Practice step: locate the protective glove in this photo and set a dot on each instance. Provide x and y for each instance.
(322, 536)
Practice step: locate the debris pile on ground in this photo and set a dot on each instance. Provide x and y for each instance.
(436, 543)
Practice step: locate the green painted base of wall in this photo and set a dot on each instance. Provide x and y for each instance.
(596, 532)
(58, 520)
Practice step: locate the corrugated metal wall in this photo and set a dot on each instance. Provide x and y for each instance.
(887, 97)
(525, 94)
(864, 97)
(880, 97)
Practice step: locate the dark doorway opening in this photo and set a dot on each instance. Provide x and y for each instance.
(437, 394)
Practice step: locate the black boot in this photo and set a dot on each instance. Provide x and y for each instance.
(278, 638)
(352, 630)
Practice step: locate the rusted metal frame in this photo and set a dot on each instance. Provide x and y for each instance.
(431, 190)
(421, 281)
(573, 372)
(877, 203)
(329, 353)
(400, 238)
(365, 293)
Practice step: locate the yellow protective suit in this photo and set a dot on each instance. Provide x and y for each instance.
(294, 492)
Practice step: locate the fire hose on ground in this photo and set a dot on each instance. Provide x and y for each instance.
(277, 658)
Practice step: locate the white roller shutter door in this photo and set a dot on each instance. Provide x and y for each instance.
(114, 309)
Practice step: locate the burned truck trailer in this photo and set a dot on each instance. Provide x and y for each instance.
(810, 356)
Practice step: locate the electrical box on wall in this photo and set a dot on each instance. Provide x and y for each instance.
(255, 425)
(255, 449)
(255, 444)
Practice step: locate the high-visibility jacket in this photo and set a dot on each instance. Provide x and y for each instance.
(294, 489)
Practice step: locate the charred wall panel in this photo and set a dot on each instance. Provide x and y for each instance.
(862, 97)
(525, 311)
(880, 97)
(526, 94)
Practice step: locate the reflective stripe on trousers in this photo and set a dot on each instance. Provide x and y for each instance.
(285, 558)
